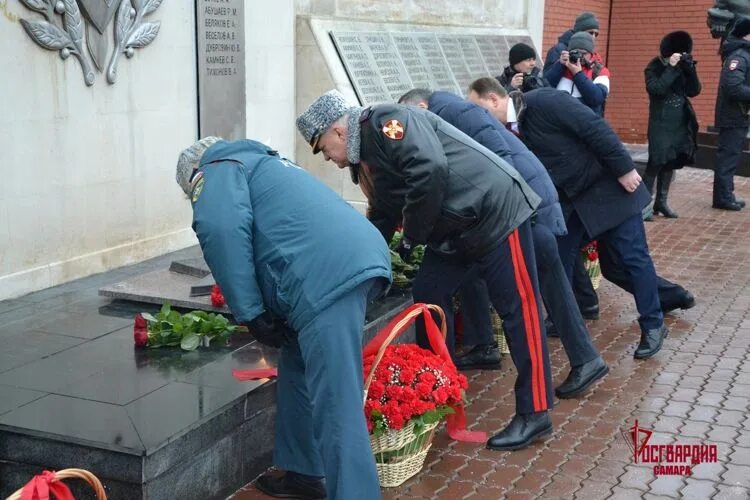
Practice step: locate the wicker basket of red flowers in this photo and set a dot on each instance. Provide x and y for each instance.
(409, 391)
(50, 484)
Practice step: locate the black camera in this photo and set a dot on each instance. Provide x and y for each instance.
(686, 59)
(531, 82)
(574, 56)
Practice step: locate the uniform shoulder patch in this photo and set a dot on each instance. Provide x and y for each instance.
(733, 64)
(393, 130)
(196, 186)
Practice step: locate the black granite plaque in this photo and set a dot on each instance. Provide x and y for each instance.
(473, 57)
(433, 57)
(494, 52)
(388, 64)
(454, 54)
(221, 68)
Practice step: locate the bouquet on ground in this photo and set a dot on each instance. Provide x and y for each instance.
(404, 272)
(189, 330)
(591, 263)
(412, 387)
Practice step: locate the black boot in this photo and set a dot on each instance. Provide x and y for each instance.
(581, 378)
(651, 342)
(522, 431)
(662, 190)
(481, 357)
(648, 182)
(291, 485)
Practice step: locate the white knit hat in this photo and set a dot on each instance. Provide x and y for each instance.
(190, 159)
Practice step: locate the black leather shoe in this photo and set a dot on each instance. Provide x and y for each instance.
(522, 431)
(687, 301)
(551, 329)
(291, 485)
(732, 206)
(651, 342)
(581, 378)
(591, 312)
(481, 357)
(740, 202)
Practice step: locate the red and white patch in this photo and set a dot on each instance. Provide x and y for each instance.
(733, 64)
(393, 130)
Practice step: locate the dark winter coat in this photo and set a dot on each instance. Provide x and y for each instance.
(553, 54)
(583, 156)
(534, 80)
(449, 191)
(478, 124)
(672, 124)
(733, 100)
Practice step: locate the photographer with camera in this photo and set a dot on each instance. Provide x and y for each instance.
(580, 73)
(522, 73)
(671, 79)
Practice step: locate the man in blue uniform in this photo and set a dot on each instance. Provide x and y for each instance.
(297, 265)
(471, 209)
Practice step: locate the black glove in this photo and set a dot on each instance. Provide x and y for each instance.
(404, 249)
(270, 331)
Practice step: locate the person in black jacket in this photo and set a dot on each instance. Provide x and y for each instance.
(522, 73)
(471, 209)
(586, 365)
(587, 22)
(600, 190)
(732, 108)
(671, 79)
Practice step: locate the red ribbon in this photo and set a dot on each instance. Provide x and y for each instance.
(255, 374)
(455, 423)
(41, 485)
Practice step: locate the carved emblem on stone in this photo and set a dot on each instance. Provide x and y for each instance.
(66, 20)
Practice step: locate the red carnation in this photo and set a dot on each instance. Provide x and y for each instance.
(217, 299)
(140, 331)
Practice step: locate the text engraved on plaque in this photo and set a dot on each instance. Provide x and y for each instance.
(455, 56)
(494, 51)
(473, 57)
(388, 64)
(433, 57)
(414, 61)
(221, 68)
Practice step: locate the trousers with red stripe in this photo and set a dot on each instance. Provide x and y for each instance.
(509, 271)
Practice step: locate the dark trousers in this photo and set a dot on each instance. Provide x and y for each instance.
(627, 242)
(556, 293)
(728, 156)
(320, 424)
(509, 271)
(671, 295)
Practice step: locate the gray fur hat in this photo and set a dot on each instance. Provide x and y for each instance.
(189, 160)
(321, 114)
(582, 40)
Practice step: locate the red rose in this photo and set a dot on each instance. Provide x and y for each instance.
(217, 299)
(140, 331)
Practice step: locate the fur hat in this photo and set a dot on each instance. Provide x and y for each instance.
(586, 21)
(520, 52)
(189, 160)
(582, 41)
(676, 42)
(321, 114)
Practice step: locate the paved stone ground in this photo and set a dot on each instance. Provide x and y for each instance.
(696, 391)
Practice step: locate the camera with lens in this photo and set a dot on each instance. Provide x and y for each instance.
(531, 82)
(686, 59)
(574, 56)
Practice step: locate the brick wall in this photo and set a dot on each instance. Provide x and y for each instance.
(637, 27)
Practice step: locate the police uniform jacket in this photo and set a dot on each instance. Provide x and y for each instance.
(450, 192)
(583, 156)
(484, 128)
(277, 238)
(733, 100)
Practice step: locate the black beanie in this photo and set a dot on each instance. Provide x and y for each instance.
(741, 28)
(520, 52)
(582, 40)
(586, 21)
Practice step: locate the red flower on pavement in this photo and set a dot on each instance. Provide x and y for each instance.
(140, 331)
(217, 298)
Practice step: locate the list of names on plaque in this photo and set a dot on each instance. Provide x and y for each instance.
(496, 58)
(454, 54)
(382, 66)
(473, 57)
(221, 68)
(433, 56)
